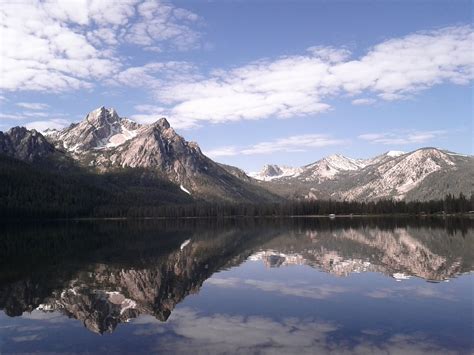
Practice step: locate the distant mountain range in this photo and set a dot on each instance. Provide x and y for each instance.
(119, 159)
(423, 174)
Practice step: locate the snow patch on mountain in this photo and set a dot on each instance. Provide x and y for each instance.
(272, 172)
(325, 169)
(328, 167)
(396, 177)
(184, 189)
(120, 137)
(101, 129)
(394, 153)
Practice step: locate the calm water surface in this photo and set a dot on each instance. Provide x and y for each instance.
(241, 286)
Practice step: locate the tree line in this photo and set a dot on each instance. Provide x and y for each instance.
(449, 205)
(29, 192)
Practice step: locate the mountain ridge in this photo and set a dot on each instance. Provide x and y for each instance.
(394, 174)
(103, 142)
(106, 143)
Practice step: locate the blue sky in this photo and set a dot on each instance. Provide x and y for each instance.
(253, 82)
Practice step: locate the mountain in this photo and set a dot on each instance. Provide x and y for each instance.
(151, 164)
(25, 145)
(327, 168)
(105, 143)
(101, 129)
(272, 172)
(424, 174)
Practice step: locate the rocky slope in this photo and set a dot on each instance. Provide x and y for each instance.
(25, 145)
(100, 129)
(422, 174)
(106, 142)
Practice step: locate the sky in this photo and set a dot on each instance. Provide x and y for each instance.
(253, 82)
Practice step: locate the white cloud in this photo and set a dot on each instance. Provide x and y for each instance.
(18, 116)
(55, 123)
(153, 75)
(402, 137)
(163, 22)
(35, 114)
(64, 45)
(298, 143)
(33, 105)
(300, 85)
(330, 54)
(363, 101)
(151, 113)
(223, 152)
(11, 116)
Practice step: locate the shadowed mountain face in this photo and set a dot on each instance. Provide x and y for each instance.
(107, 273)
(104, 142)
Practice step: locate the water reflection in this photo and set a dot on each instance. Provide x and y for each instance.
(107, 273)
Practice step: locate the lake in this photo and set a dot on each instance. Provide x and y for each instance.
(286, 286)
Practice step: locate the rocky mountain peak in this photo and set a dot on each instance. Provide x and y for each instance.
(25, 144)
(102, 128)
(101, 116)
(162, 123)
(271, 170)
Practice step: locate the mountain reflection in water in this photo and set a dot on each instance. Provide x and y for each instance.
(111, 272)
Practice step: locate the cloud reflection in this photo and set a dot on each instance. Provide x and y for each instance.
(191, 332)
(297, 289)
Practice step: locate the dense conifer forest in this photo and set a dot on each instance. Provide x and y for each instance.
(29, 192)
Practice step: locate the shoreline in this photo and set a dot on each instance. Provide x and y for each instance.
(330, 217)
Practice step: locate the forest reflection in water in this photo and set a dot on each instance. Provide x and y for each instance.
(284, 285)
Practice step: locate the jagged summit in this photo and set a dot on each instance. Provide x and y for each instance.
(425, 173)
(273, 171)
(102, 116)
(323, 169)
(162, 123)
(101, 128)
(104, 141)
(24, 144)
